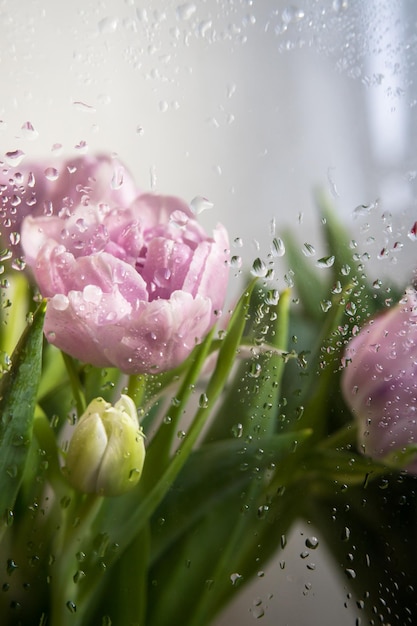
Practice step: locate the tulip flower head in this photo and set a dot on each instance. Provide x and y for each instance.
(55, 187)
(135, 288)
(379, 382)
(106, 452)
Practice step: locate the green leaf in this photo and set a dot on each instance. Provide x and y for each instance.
(250, 403)
(18, 391)
(211, 475)
(208, 519)
(308, 283)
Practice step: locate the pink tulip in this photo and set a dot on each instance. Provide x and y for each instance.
(379, 382)
(135, 288)
(55, 187)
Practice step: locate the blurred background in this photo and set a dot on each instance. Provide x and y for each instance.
(250, 104)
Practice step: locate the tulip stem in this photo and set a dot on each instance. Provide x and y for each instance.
(79, 398)
(136, 388)
(76, 526)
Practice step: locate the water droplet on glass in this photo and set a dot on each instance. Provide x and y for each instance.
(312, 542)
(325, 305)
(11, 566)
(71, 606)
(308, 250)
(179, 218)
(237, 430)
(5, 254)
(19, 264)
(84, 108)
(325, 261)
(278, 247)
(236, 262)
(272, 297)
(413, 232)
(117, 178)
(200, 204)
(292, 14)
(345, 534)
(203, 401)
(259, 268)
(11, 470)
(9, 517)
(186, 10)
(255, 370)
(29, 132)
(51, 173)
(235, 578)
(204, 27)
(108, 25)
(14, 238)
(14, 157)
(57, 148)
(339, 5)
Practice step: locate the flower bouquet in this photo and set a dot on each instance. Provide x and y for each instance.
(156, 445)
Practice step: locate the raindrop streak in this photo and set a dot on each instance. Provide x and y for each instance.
(82, 106)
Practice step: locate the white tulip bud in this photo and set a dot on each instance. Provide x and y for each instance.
(106, 452)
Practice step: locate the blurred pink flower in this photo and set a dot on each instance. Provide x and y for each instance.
(379, 382)
(134, 288)
(56, 187)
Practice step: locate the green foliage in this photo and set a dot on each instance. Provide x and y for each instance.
(18, 390)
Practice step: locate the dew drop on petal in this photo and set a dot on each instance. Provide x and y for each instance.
(92, 293)
(60, 302)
